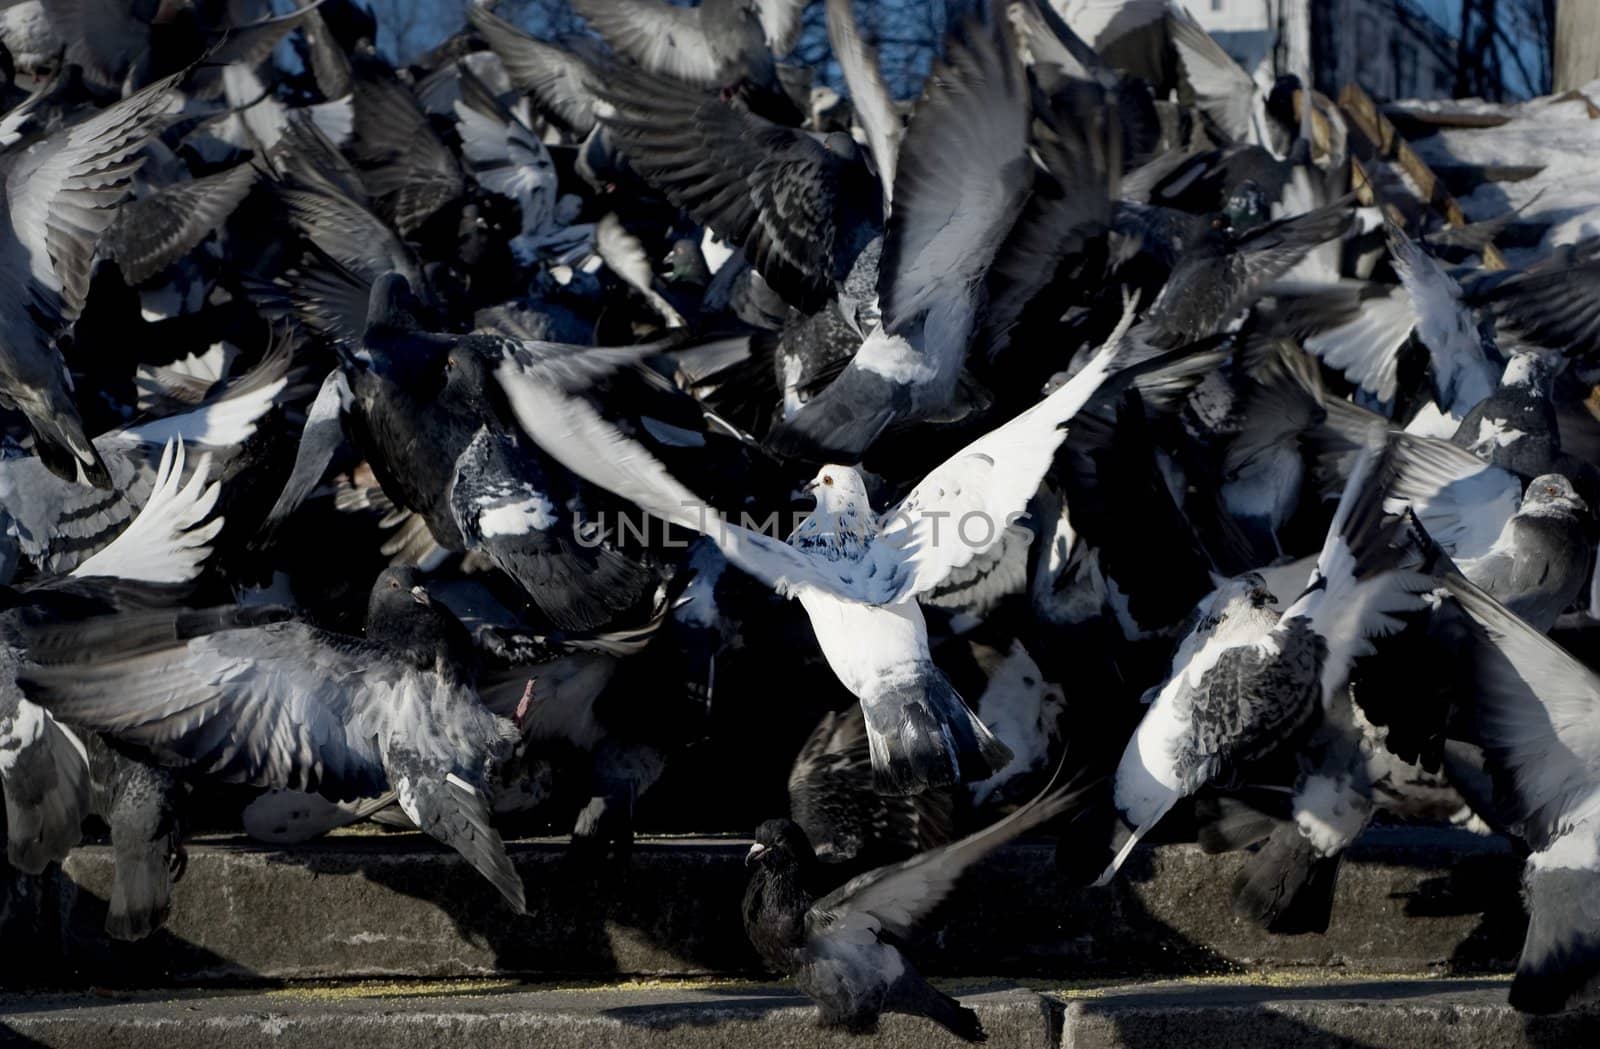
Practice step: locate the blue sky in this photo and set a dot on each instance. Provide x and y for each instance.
(1448, 14)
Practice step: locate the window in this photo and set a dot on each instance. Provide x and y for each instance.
(1405, 70)
(1367, 55)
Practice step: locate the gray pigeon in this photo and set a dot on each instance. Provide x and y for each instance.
(289, 705)
(143, 806)
(1540, 560)
(1536, 714)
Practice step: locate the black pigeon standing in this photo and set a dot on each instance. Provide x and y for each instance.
(843, 949)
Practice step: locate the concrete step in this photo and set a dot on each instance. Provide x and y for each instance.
(385, 905)
(1315, 1013)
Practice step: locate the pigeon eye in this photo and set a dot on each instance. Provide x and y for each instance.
(827, 480)
(393, 585)
(1219, 223)
(450, 363)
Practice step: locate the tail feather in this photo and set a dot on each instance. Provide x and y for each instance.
(1125, 837)
(917, 997)
(1286, 887)
(922, 735)
(1227, 824)
(64, 448)
(457, 814)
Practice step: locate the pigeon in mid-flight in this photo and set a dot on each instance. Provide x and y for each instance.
(858, 574)
(843, 949)
(290, 705)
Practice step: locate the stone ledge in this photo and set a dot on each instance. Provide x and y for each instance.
(397, 906)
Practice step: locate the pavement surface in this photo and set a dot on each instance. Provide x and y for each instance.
(1307, 1011)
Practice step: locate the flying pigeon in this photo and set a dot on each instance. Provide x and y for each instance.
(289, 705)
(857, 573)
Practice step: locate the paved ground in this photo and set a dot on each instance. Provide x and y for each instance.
(1306, 1012)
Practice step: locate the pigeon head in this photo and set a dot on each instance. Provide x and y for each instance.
(468, 383)
(685, 264)
(1531, 368)
(843, 521)
(780, 845)
(1246, 207)
(1241, 607)
(1552, 495)
(403, 617)
(839, 489)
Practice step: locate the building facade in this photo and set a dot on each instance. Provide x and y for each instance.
(1388, 47)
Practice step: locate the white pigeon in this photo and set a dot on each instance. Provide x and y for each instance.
(857, 574)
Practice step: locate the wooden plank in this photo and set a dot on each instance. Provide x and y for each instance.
(1363, 116)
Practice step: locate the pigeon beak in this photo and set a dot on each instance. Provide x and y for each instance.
(420, 596)
(809, 487)
(754, 855)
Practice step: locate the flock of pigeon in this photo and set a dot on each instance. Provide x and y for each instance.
(382, 437)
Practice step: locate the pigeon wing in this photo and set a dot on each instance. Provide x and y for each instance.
(282, 705)
(64, 193)
(663, 39)
(1462, 374)
(799, 211)
(170, 539)
(964, 506)
(151, 233)
(1224, 92)
(1553, 303)
(874, 108)
(559, 77)
(1537, 716)
(962, 177)
(575, 434)
(1462, 501)
(403, 162)
(891, 900)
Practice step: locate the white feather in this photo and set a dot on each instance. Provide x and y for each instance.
(169, 540)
